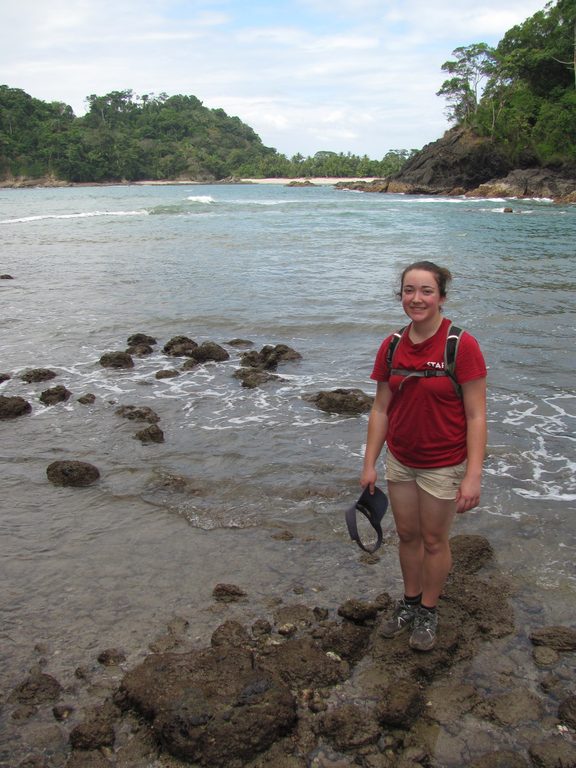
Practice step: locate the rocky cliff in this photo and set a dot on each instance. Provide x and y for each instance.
(462, 163)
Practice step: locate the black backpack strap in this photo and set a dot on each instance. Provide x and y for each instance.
(450, 353)
(396, 336)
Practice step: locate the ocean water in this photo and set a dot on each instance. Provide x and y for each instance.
(315, 268)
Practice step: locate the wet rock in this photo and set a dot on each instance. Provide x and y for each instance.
(567, 712)
(167, 373)
(350, 727)
(93, 759)
(303, 663)
(35, 375)
(299, 615)
(228, 593)
(511, 709)
(252, 377)
(545, 657)
(87, 399)
(212, 707)
(345, 401)
(149, 435)
(179, 346)
(12, 407)
(209, 351)
(4, 377)
(116, 360)
(76, 474)
(62, 712)
(348, 641)
(140, 338)
(111, 657)
(324, 757)
(39, 688)
(501, 759)
(261, 628)
(138, 413)
(97, 730)
(358, 611)
(558, 638)
(32, 761)
(231, 634)
(270, 357)
(470, 553)
(140, 350)
(449, 702)
(400, 704)
(6, 277)
(54, 395)
(553, 752)
(240, 343)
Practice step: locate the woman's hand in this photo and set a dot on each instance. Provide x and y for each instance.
(468, 495)
(368, 478)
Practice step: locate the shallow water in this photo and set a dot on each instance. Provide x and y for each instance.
(315, 268)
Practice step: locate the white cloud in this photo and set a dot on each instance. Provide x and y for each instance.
(346, 75)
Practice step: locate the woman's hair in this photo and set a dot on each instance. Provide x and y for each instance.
(441, 275)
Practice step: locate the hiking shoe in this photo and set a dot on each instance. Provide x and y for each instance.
(423, 637)
(401, 620)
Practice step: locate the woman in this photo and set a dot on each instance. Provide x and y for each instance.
(436, 440)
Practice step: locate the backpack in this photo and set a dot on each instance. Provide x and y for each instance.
(450, 351)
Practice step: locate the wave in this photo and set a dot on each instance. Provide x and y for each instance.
(85, 215)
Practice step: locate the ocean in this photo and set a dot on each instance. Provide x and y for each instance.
(251, 485)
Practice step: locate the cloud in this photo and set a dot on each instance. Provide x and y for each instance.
(343, 75)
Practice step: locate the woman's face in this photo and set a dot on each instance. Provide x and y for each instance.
(421, 299)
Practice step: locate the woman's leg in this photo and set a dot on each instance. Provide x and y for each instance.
(405, 503)
(436, 516)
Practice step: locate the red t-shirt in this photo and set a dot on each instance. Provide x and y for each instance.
(426, 420)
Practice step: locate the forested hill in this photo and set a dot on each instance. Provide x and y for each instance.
(124, 137)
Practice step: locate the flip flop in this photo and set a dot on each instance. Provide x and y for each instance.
(373, 506)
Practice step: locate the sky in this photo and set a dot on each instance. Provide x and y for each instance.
(356, 76)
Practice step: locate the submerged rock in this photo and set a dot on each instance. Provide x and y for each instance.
(4, 377)
(34, 375)
(179, 346)
(138, 413)
(117, 360)
(76, 474)
(151, 434)
(37, 689)
(558, 638)
(228, 593)
(141, 338)
(252, 377)
(270, 357)
(12, 407)
(344, 401)
(58, 394)
(87, 399)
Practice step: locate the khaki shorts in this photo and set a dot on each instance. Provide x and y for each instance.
(440, 482)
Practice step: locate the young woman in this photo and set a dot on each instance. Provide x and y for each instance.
(436, 440)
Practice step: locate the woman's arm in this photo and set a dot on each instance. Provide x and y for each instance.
(474, 395)
(376, 437)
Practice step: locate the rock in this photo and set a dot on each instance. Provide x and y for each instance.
(87, 399)
(6, 277)
(252, 377)
(513, 708)
(212, 707)
(358, 611)
(350, 726)
(300, 662)
(240, 343)
(269, 357)
(76, 474)
(261, 628)
(501, 759)
(151, 434)
(168, 373)
(116, 360)
(37, 689)
(348, 641)
(111, 657)
(54, 395)
(12, 407)
(97, 730)
(209, 351)
(4, 377)
(344, 401)
(62, 712)
(296, 183)
(553, 752)
(141, 338)
(37, 374)
(140, 350)
(470, 553)
(400, 704)
(228, 593)
(88, 759)
(558, 638)
(231, 634)
(527, 182)
(179, 346)
(138, 413)
(567, 712)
